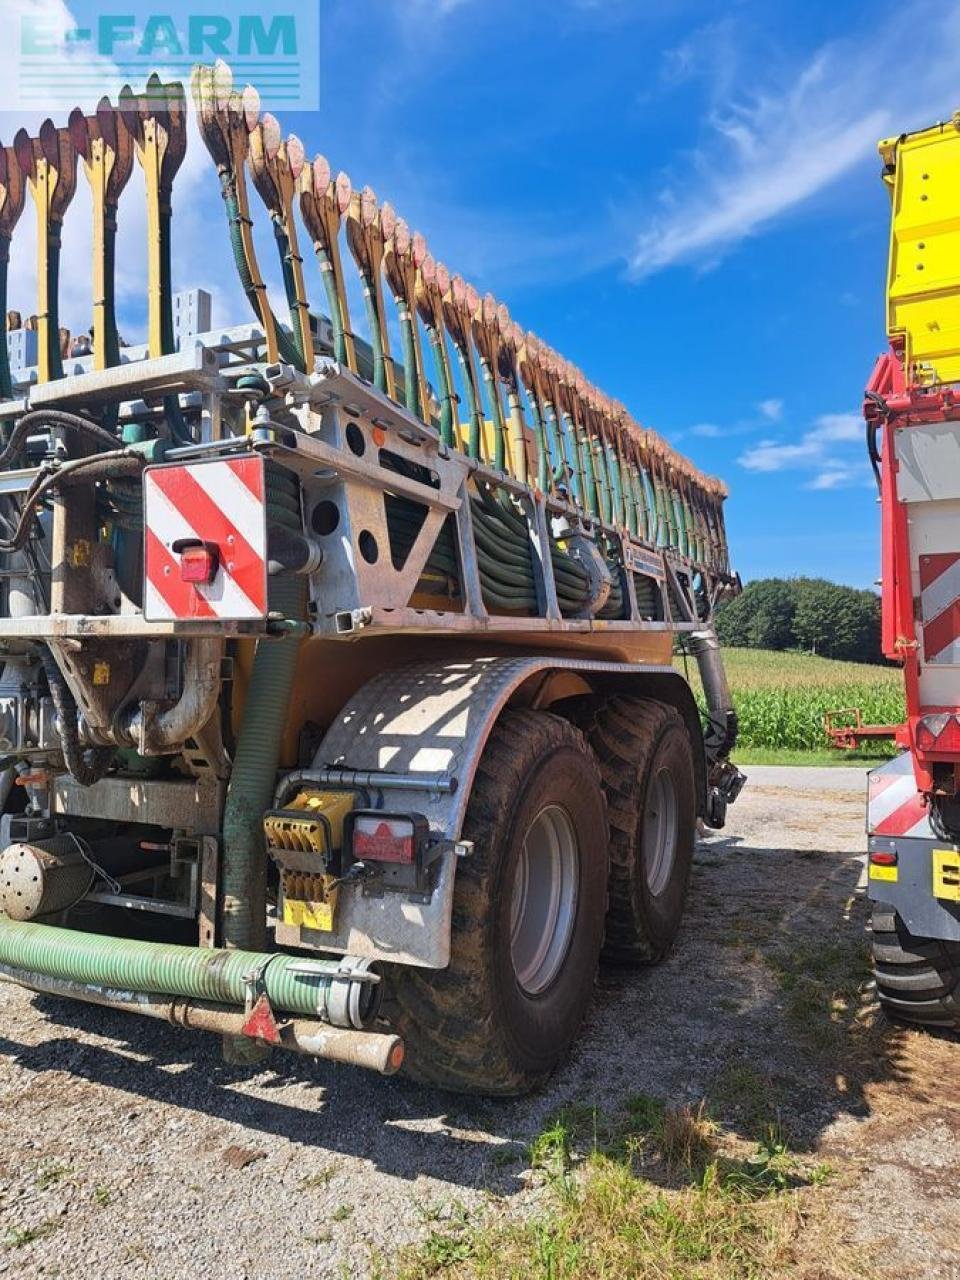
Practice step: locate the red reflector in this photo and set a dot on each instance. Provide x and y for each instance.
(199, 564)
(383, 840)
(883, 859)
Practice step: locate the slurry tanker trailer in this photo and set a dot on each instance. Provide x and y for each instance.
(912, 410)
(338, 709)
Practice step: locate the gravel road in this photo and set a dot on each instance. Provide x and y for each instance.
(127, 1149)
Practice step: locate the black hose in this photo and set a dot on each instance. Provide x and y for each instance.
(38, 418)
(116, 465)
(6, 382)
(872, 428)
(86, 767)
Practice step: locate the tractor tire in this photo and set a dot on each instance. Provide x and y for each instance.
(646, 763)
(528, 913)
(918, 979)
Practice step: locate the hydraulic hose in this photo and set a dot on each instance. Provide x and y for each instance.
(53, 297)
(333, 304)
(39, 419)
(6, 382)
(290, 983)
(111, 466)
(85, 767)
(257, 757)
(288, 350)
(289, 288)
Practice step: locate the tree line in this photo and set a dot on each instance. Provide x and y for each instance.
(809, 614)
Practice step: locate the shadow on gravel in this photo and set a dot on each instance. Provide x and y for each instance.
(763, 1010)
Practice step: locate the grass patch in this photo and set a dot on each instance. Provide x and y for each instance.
(825, 988)
(822, 759)
(653, 1192)
(743, 1093)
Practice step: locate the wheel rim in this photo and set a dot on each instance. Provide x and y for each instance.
(543, 904)
(660, 831)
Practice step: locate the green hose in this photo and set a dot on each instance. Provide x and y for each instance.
(376, 337)
(411, 380)
(287, 348)
(157, 968)
(333, 304)
(303, 363)
(257, 757)
(447, 394)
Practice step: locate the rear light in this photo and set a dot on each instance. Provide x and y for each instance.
(883, 858)
(199, 561)
(381, 837)
(939, 732)
(389, 851)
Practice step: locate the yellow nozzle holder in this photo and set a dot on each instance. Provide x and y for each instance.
(157, 120)
(50, 164)
(106, 146)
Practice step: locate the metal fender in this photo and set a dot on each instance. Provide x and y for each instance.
(426, 726)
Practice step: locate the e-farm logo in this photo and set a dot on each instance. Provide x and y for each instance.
(68, 56)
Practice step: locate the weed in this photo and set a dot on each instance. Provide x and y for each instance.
(552, 1149)
(50, 1174)
(101, 1196)
(771, 1168)
(322, 1178)
(441, 1250)
(20, 1236)
(342, 1212)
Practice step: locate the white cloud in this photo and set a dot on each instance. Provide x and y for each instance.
(707, 430)
(771, 409)
(833, 478)
(796, 131)
(815, 448)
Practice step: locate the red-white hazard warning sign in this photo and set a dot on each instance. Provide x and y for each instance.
(205, 541)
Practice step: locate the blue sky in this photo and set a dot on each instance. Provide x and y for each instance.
(681, 197)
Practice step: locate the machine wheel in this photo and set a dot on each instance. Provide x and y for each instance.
(918, 979)
(528, 914)
(646, 762)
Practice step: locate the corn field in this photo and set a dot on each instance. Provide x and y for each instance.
(781, 698)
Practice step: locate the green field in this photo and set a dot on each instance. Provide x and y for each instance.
(781, 699)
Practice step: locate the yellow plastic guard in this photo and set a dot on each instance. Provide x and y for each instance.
(946, 875)
(311, 823)
(310, 902)
(923, 281)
